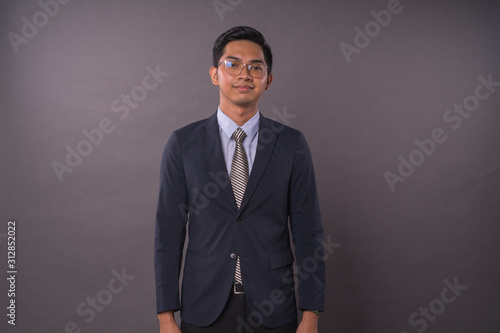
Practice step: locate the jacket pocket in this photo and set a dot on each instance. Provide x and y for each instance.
(281, 258)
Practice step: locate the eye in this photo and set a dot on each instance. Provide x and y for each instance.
(232, 64)
(257, 70)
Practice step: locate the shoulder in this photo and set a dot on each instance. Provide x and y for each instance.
(187, 136)
(284, 132)
(190, 129)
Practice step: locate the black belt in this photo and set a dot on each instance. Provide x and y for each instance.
(238, 289)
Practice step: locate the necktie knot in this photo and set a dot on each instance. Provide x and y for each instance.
(239, 135)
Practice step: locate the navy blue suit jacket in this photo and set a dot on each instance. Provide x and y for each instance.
(280, 196)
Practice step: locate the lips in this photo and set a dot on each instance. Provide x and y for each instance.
(243, 87)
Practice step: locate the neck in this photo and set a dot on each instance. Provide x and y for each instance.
(239, 114)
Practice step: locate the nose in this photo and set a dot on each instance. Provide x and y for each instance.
(245, 73)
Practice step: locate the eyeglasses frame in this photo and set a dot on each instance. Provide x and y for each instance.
(247, 66)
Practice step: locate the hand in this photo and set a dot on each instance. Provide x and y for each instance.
(309, 323)
(167, 322)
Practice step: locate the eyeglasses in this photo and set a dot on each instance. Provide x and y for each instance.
(235, 67)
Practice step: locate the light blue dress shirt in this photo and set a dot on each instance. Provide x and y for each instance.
(226, 129)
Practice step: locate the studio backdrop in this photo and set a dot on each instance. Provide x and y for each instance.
(399, 101)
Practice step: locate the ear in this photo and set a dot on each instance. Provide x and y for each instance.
(269, 80)
(213, 76)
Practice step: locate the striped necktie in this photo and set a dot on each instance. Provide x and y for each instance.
(239, 179)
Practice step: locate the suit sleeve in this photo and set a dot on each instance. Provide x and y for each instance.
(307, 229)
(170, 228)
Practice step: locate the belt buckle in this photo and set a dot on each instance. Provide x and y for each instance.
(238, 289)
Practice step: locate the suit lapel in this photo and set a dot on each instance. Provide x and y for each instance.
(210, 140)
(268, 135)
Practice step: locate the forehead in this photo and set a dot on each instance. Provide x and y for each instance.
(245, 50)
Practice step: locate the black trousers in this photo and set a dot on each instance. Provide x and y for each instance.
(236, 318)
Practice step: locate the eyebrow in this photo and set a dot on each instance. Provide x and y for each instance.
(251, 61)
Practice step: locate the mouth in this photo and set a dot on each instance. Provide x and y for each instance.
(243, 87)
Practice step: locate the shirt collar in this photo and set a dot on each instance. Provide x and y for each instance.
(228, 126)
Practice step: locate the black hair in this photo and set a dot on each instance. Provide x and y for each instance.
(242, 33)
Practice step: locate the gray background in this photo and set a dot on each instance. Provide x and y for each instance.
(393, 249)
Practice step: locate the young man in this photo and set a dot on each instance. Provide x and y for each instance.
(242, 181)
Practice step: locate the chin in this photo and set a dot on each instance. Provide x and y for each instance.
(244, 103)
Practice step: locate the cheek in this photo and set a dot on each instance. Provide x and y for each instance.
(224, 82)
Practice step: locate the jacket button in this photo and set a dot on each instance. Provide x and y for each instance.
(233, 256)
(240, 218)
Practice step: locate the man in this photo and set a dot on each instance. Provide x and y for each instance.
(242, 181)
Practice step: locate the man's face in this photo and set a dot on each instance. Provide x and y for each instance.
(241, 90)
